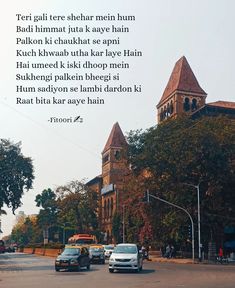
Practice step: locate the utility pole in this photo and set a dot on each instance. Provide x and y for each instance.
(147, 198)
(199, 223)
(198, 219)
(123, 223)
(0, 226)
(63, 234)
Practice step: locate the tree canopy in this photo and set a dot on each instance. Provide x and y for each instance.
(184, 151)
(16, 174)
(78, 206)
(48, 213)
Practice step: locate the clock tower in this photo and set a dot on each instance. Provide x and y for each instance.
(182, 94)
(114, 172)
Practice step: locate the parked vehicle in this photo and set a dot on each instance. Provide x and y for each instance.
(2, 247)
(97, 254)
(10, 249)
(82, 239)
(221, 260)
(73, 258)
(126, 257)
(145, 254)
(108, 249)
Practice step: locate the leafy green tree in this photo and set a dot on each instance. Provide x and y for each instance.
(188, 151)
(78, 206)
(26, 231)
(47, 217)
(116, 227)
(16, 174)
(138, 224)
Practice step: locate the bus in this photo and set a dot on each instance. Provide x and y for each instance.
(2, 246)
(82, 239)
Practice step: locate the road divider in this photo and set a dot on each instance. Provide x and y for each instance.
(42, 251)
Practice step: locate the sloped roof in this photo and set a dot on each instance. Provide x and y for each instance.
(182, 79)
(116, 138)
(224, 104)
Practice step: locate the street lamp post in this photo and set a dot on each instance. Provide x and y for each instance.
(179, 207)
(63, 234)
(123, 223)
(198, 219)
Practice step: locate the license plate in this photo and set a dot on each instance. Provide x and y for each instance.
(64, 264)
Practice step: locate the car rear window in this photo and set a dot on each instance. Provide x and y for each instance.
(71, 251)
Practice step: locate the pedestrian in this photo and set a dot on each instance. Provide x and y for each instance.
(221, 252)
(172, 252)
(168, 251)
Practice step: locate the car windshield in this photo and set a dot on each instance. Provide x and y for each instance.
(71, 251)
(96, 249)
(108, 247)
(125, 249)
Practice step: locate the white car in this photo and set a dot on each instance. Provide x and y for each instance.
(126, 256)
(108, 250)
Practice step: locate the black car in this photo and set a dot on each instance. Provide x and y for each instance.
(73, 258)
(97, 254)
(10, 249)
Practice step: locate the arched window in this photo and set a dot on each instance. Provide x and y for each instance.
(168, 110)
(165, 112)
(111, 207)
(171, 107)
(161, 114)
(117, 155)
(108, 209)
(186, 104)
(194, 104)
(105, 209)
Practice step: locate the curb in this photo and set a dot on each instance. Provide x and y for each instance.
(175, 260)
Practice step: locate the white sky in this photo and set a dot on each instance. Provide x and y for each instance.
(164, 30)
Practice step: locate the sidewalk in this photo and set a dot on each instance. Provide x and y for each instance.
(185, 261)
(171, 260)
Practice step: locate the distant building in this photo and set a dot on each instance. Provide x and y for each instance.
(110, 183)
(114, 170)
(182, 95)
(20, 215)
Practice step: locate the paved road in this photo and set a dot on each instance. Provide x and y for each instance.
(30, 271)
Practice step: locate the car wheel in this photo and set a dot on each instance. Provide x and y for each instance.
(103, 262)
(141, 268)
(137, 270)
(111, 270)
(88, 267)
(57, 269)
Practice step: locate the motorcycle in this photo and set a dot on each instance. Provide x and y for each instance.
(221, 260)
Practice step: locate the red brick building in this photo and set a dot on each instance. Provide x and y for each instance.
(109, 185)
(183, 94)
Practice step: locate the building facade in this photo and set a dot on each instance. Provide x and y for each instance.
(109, 185)
(114, 171)
(182, 95)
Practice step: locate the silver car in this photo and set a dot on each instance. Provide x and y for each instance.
(108, 250)
(126, 256)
